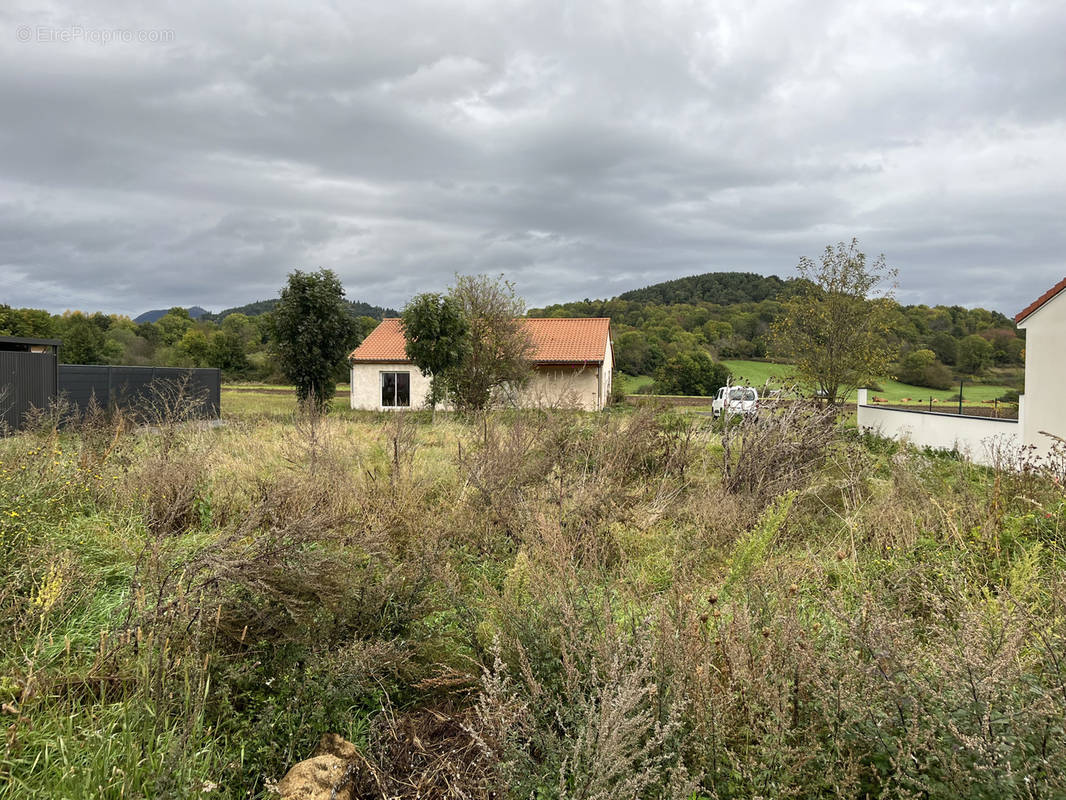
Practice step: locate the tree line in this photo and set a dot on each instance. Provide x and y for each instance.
(677, 330)
(242, 345)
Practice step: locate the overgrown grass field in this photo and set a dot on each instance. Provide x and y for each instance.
(565, 605)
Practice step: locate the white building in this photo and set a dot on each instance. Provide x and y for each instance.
(1041, 410)
(572, 359)
(1044, 323)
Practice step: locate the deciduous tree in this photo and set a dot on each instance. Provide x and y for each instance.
(691, 373)
(438, 339)
(498, 355)
(837, 330)
(311, 332)
(975, 354)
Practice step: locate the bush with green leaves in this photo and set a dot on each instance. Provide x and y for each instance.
(691, 373)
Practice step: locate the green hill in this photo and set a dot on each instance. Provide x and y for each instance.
(721, 288)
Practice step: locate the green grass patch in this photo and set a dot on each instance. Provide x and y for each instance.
(630, 384)
(759, 373)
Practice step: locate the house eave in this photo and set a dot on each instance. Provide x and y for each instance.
(1045, 299)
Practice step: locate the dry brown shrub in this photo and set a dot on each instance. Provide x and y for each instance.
(778, 449)
(317, 554)
(431, 752)
(815, 695)
(586, 472)
(168, 402)
(166, 489)
(1024, 478)
(602, 727)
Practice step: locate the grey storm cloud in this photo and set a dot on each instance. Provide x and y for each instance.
(198, 152)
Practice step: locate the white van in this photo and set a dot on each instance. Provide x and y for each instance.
(735, 400)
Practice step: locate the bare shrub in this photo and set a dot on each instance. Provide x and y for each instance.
(1024, 476)
(430, 752)
(587, 472)
(168, 484)
(607, 729)
(778, 449)
(311, 443)
(166, 402)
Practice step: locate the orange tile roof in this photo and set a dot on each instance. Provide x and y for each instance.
(384, 343)
(1036, 304)
(555, 341)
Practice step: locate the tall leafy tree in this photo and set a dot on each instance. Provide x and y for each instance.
(497, 358)
(311, 332)
(173, 325)
(837, 330)
(85, 339)
(472, 340)
(975, 354)
(35, 323)
(438, 339)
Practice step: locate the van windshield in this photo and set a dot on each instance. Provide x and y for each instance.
(742, 394)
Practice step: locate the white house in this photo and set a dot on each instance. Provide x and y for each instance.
(572, 359)
(1041, 410)
(1044, 322)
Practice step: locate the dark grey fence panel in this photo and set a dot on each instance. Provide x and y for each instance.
(27, 381)
(145, 391)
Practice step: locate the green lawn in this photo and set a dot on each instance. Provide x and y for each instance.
(269, 400)
(239, 385)
(896, 392)
(759, 373)
(631, 383)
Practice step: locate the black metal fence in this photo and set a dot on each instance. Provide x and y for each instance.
(149, 392)
(27, 381)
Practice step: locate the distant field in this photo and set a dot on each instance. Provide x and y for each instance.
(273, 400)
(759, 373)
(278, 387)
(631, 383)
(269, 400)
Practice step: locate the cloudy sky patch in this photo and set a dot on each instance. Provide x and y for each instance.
(207, 149)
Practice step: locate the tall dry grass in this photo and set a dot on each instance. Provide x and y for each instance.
(545, 604)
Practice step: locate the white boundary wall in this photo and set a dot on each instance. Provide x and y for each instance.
(975, 437)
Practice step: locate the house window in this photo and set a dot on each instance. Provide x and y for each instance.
(395, 389)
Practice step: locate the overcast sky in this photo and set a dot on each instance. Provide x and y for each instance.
(187, 153)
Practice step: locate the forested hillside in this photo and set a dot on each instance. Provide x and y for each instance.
(670, 323)
(667, 329)
(723, 288)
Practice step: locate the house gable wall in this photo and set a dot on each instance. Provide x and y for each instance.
(1045, 373)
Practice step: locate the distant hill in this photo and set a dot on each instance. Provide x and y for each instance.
(355, 307)
(154, 316)
(722, 288)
